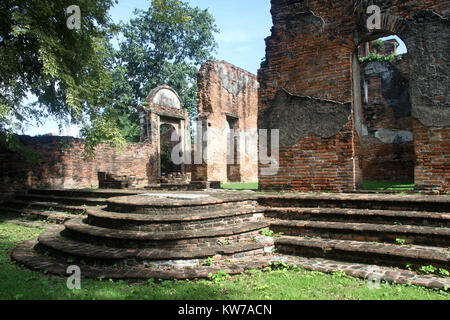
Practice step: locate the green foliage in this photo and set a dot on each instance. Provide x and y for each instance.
(267, 232)
(428, 269)
(389, 185)
(208, 261)
(377, 45)
(65, 69)
(374, 56)
(240, 186)
(444, 272)
(400, 241)
(164, 45)
(219, 277)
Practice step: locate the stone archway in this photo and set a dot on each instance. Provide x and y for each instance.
(164, 109)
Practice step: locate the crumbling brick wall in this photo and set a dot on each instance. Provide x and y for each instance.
(310, 54)
(61, 164)
(227, 94)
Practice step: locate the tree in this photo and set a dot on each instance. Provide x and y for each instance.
(65, 69)
(164, 45)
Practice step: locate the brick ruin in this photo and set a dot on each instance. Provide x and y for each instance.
(61, 164)
(340, 122)
(228, 100)
(227, 95)
(387, 145)
(310, 85)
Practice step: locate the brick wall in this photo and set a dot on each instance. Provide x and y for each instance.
(227, 94)
(432, 145)
(309, 53)
(61, 164)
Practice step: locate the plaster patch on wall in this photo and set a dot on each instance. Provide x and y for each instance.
(231, 81)
(297, 116)
(394, 136)
(167, 98)
(427, 40)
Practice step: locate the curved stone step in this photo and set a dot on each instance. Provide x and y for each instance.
(67, 247)
(364, 252)
(78, 226)
(168, 203)
(420, 218)
(50, 216)
(45, 205)
(68, 200)
(84, 193)
(170, 222)
(365, 231)
(25, 254)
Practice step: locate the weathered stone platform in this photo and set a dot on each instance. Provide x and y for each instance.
(169, 235)
(156, 235)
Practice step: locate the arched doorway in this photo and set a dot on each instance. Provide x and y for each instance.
(383, 108)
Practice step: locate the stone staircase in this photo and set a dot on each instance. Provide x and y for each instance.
(157, 235)
(401, 231)
(57, 206)
(169, 235)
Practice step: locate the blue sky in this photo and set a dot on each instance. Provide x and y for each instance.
(243, 25)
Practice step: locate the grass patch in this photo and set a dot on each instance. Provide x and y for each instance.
(277, 283)
(389, 185)
(240, 186)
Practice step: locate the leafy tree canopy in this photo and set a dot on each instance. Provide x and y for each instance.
(164, 45)
(77, 75)
(65, 69)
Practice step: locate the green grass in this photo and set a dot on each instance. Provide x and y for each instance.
(17, 282)
(240, 186)
(389, 185)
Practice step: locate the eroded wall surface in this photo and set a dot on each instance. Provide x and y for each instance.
(227, 94)
(61, 164)
(309, 54)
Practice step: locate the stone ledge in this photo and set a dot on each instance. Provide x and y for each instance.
(53, 240)
(366, 271)
(361, 201)
(363, 196)
(99, 212)
(62, 200)
(431, 254)
(156, 202)
(25, 254)
(18, 204)
(349, 213)
(77, 225)
(365, 227)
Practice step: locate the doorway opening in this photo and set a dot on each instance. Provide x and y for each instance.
(384, 110)
(167, 166)
(233, 161)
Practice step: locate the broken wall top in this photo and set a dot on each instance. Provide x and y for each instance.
(227, 89)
